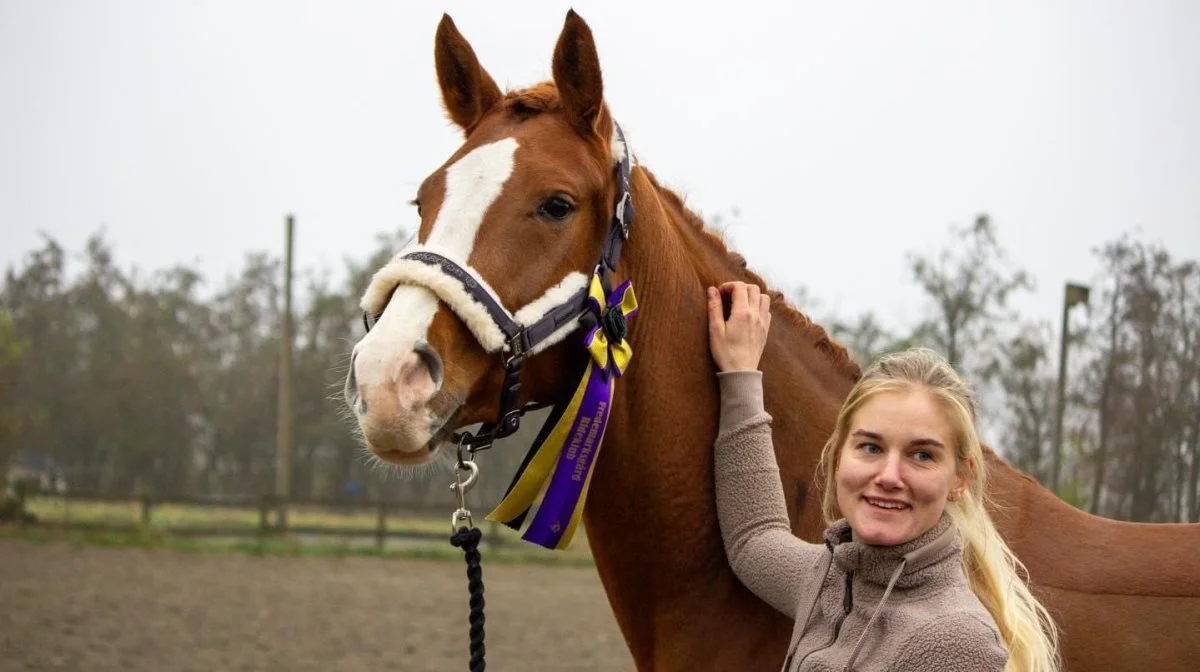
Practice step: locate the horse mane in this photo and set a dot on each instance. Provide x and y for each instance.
(531, 101)
(780, 305)
(543, 98)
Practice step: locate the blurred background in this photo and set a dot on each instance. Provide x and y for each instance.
(1012, 184)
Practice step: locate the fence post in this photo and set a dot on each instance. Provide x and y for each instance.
(381, 525)
(264, 515)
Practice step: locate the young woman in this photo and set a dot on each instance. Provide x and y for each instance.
(912, 574)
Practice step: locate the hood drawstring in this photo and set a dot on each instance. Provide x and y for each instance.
(874, 615)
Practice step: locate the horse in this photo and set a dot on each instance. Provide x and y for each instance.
(511, 226)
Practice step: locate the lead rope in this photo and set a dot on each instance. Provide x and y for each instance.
(467, 538)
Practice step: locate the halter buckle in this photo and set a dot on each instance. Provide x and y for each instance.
(625, 212)
(516, 346)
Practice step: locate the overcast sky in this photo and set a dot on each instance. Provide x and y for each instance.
(846, 133)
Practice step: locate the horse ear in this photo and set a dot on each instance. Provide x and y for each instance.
(577, 74)
(468, 91)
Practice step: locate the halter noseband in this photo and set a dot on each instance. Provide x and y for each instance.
(514, 338)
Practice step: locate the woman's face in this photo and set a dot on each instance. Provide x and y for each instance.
(898, 467)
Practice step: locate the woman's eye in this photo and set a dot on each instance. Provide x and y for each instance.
(870, 448)
(923, 456)
(555, 209)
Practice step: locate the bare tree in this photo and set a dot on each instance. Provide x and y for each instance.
(969, 282)
(1027, 380)
(1143, 380)
(11, 347)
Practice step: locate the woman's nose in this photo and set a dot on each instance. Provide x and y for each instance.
(889, 472)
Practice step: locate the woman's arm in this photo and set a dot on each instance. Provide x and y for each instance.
(764, 554)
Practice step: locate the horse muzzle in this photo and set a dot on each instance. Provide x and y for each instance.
(401, 413)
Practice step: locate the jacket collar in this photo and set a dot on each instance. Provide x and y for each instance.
(924, 556)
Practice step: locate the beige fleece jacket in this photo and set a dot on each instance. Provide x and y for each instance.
(856, 607)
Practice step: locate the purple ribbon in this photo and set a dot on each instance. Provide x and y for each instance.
(562, 503)
(575, 463)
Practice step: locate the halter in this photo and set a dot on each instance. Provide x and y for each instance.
(590, 303)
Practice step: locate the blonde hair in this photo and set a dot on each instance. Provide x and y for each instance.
(993, 571)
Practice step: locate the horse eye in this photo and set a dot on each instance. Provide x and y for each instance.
(555, 209)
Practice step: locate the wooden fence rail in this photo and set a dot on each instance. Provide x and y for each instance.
(266, 527)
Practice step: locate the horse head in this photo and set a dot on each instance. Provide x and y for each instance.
(512, 227)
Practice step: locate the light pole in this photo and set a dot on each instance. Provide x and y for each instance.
(1074, 294)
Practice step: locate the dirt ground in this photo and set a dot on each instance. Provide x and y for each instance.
(134, 610)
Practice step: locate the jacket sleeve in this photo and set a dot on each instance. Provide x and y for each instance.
(767, 558)
(952, 642)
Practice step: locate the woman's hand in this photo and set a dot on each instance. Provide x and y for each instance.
(737, 343)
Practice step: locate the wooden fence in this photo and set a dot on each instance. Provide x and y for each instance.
(415, 523)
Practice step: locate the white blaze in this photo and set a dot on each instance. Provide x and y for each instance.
(473, 183)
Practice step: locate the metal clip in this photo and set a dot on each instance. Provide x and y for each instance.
(461, 488)
(459, 516)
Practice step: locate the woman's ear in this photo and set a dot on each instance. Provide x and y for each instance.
(962, 477)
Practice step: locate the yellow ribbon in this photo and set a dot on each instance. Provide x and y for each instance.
(608, 357)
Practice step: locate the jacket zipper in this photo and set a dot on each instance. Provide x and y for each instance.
(847, 605)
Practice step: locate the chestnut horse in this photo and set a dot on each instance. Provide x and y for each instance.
(525, 203)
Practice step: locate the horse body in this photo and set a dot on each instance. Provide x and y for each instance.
(1125, 596)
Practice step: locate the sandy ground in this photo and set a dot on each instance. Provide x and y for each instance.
(89, 608)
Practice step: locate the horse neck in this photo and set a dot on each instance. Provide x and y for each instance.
(651, 517)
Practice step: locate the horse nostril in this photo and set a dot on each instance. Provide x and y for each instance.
(353, 398)
(432, 361)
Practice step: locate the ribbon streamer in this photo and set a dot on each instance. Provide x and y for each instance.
(572, 446)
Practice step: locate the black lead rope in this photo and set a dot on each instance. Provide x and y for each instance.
(467, 538)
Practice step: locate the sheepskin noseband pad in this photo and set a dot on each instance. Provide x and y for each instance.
(450, 285)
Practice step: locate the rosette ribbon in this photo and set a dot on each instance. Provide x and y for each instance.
(559, 465)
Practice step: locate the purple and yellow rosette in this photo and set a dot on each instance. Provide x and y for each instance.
(611, 312)
(565, 460)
